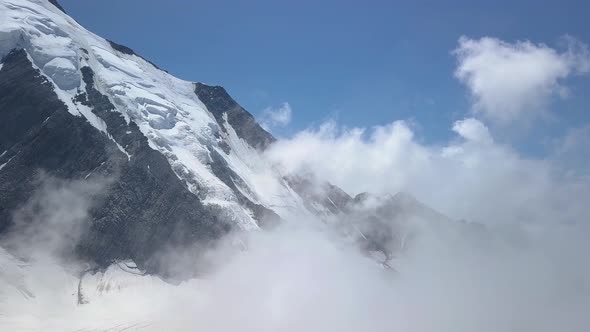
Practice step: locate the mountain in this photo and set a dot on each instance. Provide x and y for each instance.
(177, 162)
(182, 160)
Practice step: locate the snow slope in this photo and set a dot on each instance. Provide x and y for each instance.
(165, 108)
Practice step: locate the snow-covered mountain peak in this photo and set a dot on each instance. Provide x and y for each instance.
(194, 137)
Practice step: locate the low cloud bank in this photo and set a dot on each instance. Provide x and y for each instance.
(471, 177)
(523, 267)
(299, 278)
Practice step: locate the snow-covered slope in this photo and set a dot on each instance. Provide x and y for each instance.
(166, 109)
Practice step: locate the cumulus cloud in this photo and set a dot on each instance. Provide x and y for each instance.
(276, 117)
(473, 130)
(515, 81)
(470, 177)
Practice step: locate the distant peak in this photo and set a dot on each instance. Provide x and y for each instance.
(56, 4)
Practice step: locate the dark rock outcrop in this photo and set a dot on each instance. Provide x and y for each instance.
(220, 103)
(126, 50)
(56, 4)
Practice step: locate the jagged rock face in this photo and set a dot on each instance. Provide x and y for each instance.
(221, 105)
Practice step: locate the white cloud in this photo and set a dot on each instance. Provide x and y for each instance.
(301, 279)
(473, 130)
(471, 177)
(514, 81)
(573, 150)
(276, 117)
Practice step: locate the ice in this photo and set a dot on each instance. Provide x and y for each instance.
(63, 72)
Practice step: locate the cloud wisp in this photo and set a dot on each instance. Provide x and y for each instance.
(298, 278)
(52, 221)
(273, 118)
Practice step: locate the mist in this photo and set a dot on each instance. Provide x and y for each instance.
(304, 276)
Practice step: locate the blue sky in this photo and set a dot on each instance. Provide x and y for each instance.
(363, 63)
